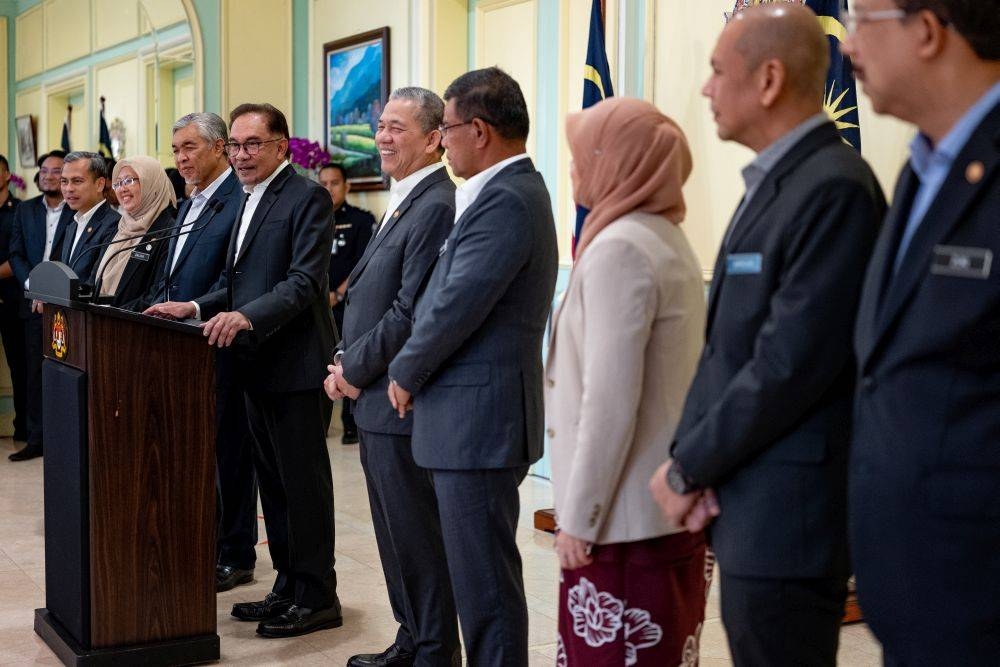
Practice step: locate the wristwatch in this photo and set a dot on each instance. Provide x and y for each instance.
(678, 481)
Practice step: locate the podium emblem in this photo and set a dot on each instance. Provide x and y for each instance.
(59, 335)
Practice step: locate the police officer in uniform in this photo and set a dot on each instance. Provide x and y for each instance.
(11, 328)
(352, 231)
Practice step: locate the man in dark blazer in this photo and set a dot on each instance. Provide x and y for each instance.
(380, 295)
(36, 236)
(195, 261)
(11, 327)
(925, 457)
(352, 229)
(275, 287)
(472, 366)
(766, 423)
(85, 177)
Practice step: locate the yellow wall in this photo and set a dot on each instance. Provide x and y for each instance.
(67, 31)
(257, 53)
(114, 22)
(4, 86)
(118, 82)
(29, 28)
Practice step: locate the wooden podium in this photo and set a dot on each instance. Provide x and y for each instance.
(129, 472)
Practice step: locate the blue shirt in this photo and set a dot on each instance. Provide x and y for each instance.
(932, 164)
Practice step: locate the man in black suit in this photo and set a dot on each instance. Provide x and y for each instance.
(925, 458)
(36, 236)
(195, 261)
(85, 177)
(473, 364)
(352, 229)
(766, 423)
(11, 327)
(378, 319)
(275, 287)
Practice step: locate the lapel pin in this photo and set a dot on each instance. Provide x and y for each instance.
(396, 214)
(90, 229)
(149, 246)
(974, 172)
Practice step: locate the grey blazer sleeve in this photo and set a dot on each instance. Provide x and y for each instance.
(367, 359)
(489, 247)
(803, 344)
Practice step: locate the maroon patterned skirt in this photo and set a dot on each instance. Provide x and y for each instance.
(637, 603)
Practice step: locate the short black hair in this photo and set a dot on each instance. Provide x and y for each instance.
(338, 167)
(45, 156)
(3, 162)
(978, 22)
(97, 165)
(275, 120)
(177, 182)
(493, 96)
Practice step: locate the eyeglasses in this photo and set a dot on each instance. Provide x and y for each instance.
(443, 129)
(857, 17)
(252, 147)
(50, 172)
(124, 183)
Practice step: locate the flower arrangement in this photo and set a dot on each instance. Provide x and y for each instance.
(17, 183)
(307, 156)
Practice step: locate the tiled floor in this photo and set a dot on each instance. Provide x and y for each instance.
(368, 623)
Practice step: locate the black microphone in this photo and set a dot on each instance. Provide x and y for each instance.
(214, 204)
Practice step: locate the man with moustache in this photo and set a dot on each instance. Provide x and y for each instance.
(85, 176)
(195, 261)
(275, 287)
(11, 327)
(925, 458)
(36, 236)
(352, 229)
(766, 422)
(380, 295)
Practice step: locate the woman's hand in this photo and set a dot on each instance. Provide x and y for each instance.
(573, 552)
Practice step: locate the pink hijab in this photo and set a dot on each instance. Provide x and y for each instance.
(627, 157)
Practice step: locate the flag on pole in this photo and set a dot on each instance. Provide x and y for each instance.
(64, 143)
(596, 84)
(103, 136)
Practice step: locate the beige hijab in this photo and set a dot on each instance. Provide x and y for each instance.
(628, 157)
(155, 194)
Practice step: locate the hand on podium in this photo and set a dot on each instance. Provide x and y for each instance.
(172, 310)
(222, 329)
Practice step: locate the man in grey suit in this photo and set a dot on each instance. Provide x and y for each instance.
(381, 291)
(472, 366)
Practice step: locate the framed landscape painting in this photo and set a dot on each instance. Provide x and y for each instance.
(26, 140)
(356, 87)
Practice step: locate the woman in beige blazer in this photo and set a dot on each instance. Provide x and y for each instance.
(624, 346)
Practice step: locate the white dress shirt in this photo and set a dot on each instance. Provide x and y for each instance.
(400, 190)
(82, 219)
(198, 200)
(467, 192)
(255, 192)
(52, 216)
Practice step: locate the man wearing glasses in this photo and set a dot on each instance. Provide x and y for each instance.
(275, 285)
(925, 459)
(36, 236)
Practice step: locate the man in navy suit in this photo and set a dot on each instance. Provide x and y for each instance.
(473, 364)
(381, 291)
(766, 422)
(36, 236)
(925, 457)
(195, 261)
(85, 177)
(11, 327)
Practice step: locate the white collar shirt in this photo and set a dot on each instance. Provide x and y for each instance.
(198, 200)
(82, 219)
(401, 189)
(255, 192)
(52, 216)
(467, 193)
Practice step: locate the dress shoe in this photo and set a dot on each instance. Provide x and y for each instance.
(228, 577)
(271, 606)
(349, 438)
(301, 621)
(394, 655)
(28, 452)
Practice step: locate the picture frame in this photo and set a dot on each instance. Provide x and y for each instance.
(26, 141)
(355, 90)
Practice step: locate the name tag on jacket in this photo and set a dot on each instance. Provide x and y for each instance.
(743, 263)
(141, 256)
(959, 262)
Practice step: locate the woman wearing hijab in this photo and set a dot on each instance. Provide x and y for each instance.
(625, 343)
(129, 267)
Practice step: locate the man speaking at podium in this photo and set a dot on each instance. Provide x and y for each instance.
(275, 285)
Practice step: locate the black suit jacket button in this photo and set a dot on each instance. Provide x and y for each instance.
(868, 383)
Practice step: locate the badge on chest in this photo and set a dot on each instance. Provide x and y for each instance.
(743, 263)
(961, 262)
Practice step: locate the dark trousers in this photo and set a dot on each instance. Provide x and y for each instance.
(410, 546)
(236, 484)
(33, 366)
(12, 333)
(296, 493)
(783, 621)
(479, 511)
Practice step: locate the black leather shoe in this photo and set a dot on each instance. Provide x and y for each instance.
(394, 655)
(301, 621)
(28, 452)
(349, 438)
(228, 577)
(271, 606)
